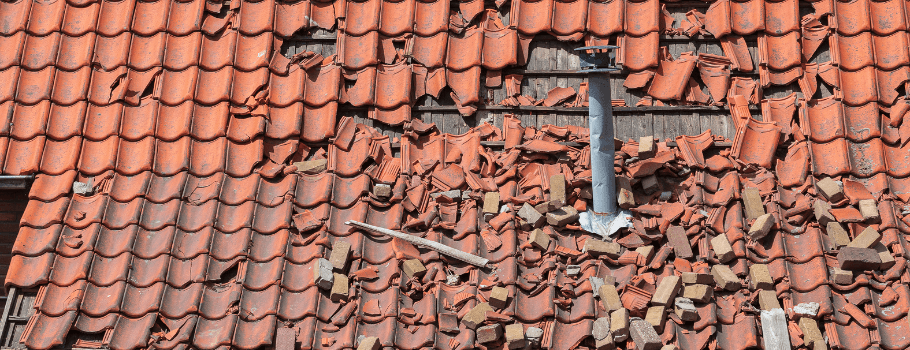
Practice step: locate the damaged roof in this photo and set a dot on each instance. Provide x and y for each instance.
(194, 185)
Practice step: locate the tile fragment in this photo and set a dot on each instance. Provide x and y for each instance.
(724, 278)
(685, 309)
(852, 258)
(866, 239)
(775, 334)
(666, 291)
(722, 248)
(830, 189)
(644, 335)
(761, 277)
(562, 216)
(698, 292)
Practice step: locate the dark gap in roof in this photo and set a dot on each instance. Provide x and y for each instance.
(149, 90)
(227, 275)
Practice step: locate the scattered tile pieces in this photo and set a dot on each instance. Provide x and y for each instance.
(312, 166)
(339, 288)
(869, 210)
(866, 239)
(644, 335)
(722, 248)
(341, 250)
(809, 309)
(832, 191)
(476, 316)
(413, 268)
(323, 275)
(515, 336)
(488, 334)
(698, 292)
(530, 215)
(610, 298)
(666, 290)
(685, 309)
(597, 247)
(752, 203)
(724, 278)
(619, 324)
(838, 235)
(499, 296)
(761, 277)
(775, 334)
(852, 258)
(562, 216)
(369, 343)
(761, 227)
(647, 147)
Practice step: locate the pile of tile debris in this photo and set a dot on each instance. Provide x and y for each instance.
(718, 246)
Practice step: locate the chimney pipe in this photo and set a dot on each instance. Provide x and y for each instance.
(597, 62)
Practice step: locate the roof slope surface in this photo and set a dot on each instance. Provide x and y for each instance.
(192, 225)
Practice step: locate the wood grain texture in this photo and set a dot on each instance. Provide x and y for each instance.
(553, 63)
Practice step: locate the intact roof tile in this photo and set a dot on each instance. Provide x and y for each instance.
(79, 20)
(16, 18)
(256, 17)
(185, 17)
(291, 17)
(150, 17)
(52, 330)
(115, 17)
(132, 333)
(15, 44)
(431, 17)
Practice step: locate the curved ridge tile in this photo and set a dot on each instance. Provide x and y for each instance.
(130, 333)
(235, 217)
(48, 331)
(156, 216)
(107, 271)
(179, 302)
(75, 241)
(139, 301)
(89, 324)
(57, 301)
(36, 241)
(217, 299)
(182, 272)
(194, 217)
(189, 244)
(68, 270)
(48, 187)
(265, 247)
(271, 219)
(27, 272)
(211, 334)
(260, 275)
(809, 275)
(120, 215)
(255, 305)
(145, 272)
(101, 300)
(43, 214)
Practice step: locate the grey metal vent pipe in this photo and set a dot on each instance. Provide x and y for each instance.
(597, 62)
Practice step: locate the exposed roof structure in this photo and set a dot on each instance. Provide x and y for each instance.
(193, 183)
